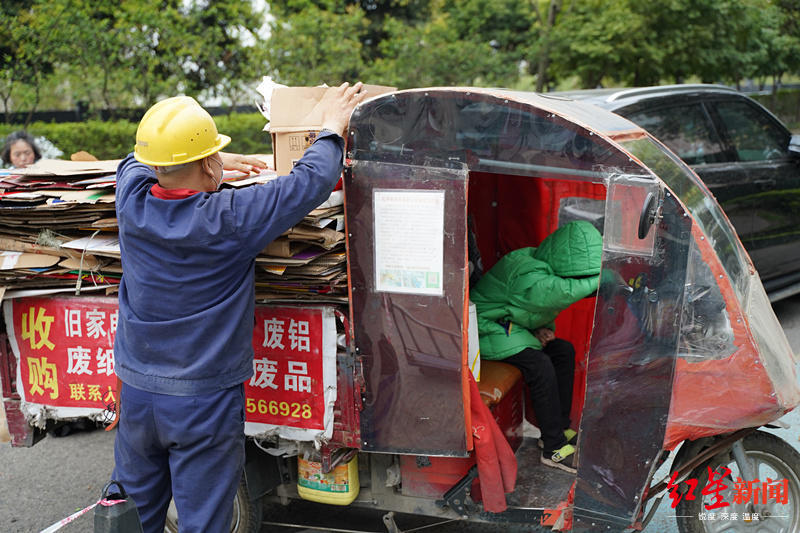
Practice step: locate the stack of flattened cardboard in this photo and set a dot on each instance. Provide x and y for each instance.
(58, 231)
(55, 220)
(307, 262)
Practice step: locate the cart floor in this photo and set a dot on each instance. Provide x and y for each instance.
(538, 486)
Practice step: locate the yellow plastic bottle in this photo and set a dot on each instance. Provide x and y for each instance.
(338, 487)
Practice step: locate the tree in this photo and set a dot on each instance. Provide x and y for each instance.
(500, 29)
(376, 13)
(545, 44)
(644, 43)
(219, 47)
(129, 52)
(28, 54)
(300, 53)
(431, 54)
(400, 42)
(10, 67)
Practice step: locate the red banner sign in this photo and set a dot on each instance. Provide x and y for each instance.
(65, 350)
(287, 384)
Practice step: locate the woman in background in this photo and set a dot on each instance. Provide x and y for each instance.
(20, 150)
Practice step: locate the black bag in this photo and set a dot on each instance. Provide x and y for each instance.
(119, 517)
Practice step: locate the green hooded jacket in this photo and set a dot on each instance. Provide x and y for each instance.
(528, 287)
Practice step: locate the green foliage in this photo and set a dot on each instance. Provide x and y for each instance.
(114, 140)
(114, 54)
(131, 53)
(596, 40)
(405, 43)
(628, 42)
(104, 140)
(246, 132)
(300, 54)
(432, 54)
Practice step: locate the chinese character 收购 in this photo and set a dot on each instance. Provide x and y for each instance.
(37, 323)
(105, 361)
(715, 486)
(72, 322)
(76, 391)
(95, 320)
(273, 333)
(298, 334)
(79, 359)
(297, 378)
(42, 375)
(264, 373)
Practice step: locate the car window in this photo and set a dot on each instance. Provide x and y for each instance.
(753, 134)
(686, 130)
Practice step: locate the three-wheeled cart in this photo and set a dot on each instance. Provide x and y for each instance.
(678, 350)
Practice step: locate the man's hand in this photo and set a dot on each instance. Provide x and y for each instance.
(242, 163)
(338, 104)
(544, 335)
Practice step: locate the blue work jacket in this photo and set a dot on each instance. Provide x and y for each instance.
(187, 296)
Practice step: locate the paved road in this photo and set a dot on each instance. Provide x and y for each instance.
(41, 485)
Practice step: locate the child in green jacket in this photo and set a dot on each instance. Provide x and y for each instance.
(517, 302)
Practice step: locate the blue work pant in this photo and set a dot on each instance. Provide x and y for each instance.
(190, 448)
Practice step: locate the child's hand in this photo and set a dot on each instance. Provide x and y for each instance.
(544, 335)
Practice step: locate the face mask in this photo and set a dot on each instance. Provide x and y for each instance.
(218, 184)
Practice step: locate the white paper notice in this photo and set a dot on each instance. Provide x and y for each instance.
(409, 241)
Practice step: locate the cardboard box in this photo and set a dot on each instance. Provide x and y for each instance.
(296, 118)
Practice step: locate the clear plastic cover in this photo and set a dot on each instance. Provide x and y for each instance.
(625, 208)
(735, 368)
(633, 352)
(774, 347)
(591, 210)
(706, 211)
(489, 130)
(706, 331)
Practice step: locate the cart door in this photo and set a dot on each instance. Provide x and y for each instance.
(406, 229)
(633, 352)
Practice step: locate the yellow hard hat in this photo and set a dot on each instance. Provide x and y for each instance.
(176, 131)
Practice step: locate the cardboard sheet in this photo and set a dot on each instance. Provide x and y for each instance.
(58, 167)
(21, 260)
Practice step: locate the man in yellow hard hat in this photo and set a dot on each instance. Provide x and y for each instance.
(183, 346)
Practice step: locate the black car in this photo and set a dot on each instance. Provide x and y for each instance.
(743, 153)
